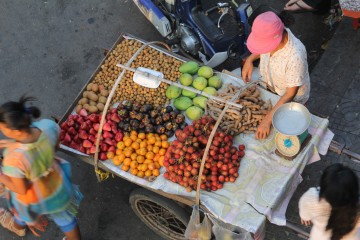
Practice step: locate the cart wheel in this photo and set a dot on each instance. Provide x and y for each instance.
(162, 215)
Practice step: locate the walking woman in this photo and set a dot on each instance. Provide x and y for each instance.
(333, 209)
(36, 184)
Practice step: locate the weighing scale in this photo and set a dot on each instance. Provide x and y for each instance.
(291, 122)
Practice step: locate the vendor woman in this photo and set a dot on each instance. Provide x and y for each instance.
(283, 64)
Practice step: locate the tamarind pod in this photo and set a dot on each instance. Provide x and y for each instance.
(256, 93)
(233, 111)
(252, 99)
(249, 114)
(243, 128)
(246, 103)
(248, 132)
(244, 94)
(248, 122)
(254, 107)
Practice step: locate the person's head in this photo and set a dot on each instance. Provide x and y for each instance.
(340, 188)
(16, 118)
(268, 30)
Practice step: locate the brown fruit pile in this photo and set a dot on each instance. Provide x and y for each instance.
(148, 58)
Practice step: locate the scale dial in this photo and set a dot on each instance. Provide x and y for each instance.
(287, 145)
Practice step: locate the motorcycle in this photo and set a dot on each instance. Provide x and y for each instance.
(194, 27)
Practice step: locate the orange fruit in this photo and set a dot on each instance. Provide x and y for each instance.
(147, 161)
(152, 140)
(155, 172)
(140, 174)
(158, 143)
(141, 135)
(140, 159)
(128, 142)
(125, 168)
(125, 138)
(133, 137)
(118, 151)
(164, 144)
(161, 161)
(151, 166)
(128, 152)
(122, 156)
(135, 145)
(156, 158)
(120, 145)
(127, 161)
(162, 152)
(149, 148)
(149, 135)
(163, 137)
(133, 156)
(155, 149)
(150, 155)
(138, 140)
(142, 151)
(134, 164)
(110, 155)
(157, 165)
(148, 173)
(143, 144)
(134, 171)
(133, 132)
(116, 161)
(143, 167)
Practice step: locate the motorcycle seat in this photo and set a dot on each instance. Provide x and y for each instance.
(207, 27)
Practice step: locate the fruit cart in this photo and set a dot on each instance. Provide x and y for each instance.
(241, 206)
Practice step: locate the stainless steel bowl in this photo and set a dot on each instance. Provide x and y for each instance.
(291, 119)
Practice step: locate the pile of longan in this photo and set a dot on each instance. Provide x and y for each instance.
(148, 58)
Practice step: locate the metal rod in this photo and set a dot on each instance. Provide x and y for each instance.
(181, 86)
(339, 148)
(299, 231)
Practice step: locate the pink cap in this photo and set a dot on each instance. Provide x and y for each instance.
(266, 33)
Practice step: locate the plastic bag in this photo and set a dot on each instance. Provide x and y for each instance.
(225, 231)
(196, 231)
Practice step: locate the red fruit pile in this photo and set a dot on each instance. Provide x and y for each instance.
(183, 157)
(80, 131)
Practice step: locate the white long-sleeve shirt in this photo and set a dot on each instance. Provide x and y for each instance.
(318, 211)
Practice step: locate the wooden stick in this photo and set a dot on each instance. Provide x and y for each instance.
(206, 151)
(108, 101)
(181, 86)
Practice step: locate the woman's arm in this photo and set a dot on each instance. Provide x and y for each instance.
(263, 129)
(17, 185)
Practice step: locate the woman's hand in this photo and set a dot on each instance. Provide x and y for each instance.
(306, 222)
(248, 67)
(247, 70)
(5, 143)
(263, 129)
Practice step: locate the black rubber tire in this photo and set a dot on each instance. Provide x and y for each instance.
(172, 219)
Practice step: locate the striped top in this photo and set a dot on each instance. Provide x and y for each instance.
(318, 211)
(50, 191)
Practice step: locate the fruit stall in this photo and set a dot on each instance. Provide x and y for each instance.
(188, 140)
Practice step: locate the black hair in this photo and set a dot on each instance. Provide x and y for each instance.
(340, 188)
(285, 17)
(16, 115)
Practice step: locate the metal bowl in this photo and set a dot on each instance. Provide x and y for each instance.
(291, 119)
